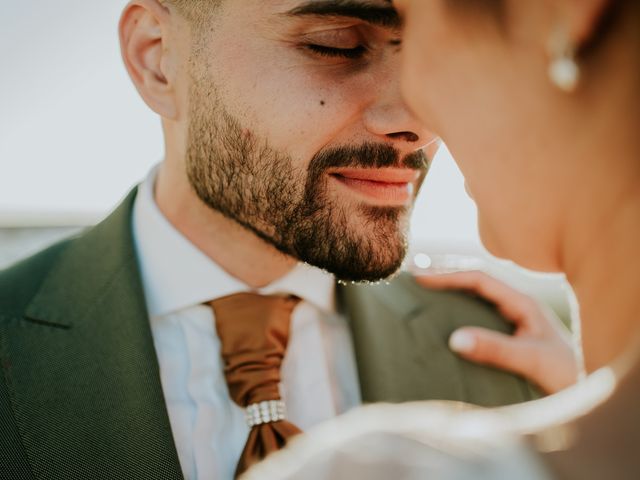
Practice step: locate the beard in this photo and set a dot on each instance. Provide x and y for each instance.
(244, 178)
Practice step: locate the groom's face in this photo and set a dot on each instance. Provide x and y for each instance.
(297, 130)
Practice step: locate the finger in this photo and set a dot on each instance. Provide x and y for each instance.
(516, 306)
(495, 349)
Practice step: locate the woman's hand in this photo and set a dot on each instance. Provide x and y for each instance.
(540, 348)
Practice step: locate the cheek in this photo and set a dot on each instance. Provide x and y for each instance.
(283, 98)
(301, 113)
(414, 83)
(427, 65)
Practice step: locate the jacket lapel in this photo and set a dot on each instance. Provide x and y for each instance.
(400, 345)
(84, 377)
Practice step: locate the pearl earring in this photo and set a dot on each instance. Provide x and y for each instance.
(564, 71)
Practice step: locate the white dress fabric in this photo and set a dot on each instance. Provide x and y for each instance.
(439, 440)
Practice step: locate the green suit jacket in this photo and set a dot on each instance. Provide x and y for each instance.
(80, 392)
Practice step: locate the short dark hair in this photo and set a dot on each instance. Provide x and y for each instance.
(195, 11)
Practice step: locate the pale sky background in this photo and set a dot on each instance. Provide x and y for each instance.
(74, 135)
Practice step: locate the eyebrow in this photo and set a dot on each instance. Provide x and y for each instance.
(384, 16)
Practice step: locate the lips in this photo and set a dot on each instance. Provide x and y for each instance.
(383, 186)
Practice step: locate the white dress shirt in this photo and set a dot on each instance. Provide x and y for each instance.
(319, 379)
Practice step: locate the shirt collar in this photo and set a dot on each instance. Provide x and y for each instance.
(176, 274)
(309, 283)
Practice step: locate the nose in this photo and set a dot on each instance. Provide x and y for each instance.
(388, 117)
(392, 120)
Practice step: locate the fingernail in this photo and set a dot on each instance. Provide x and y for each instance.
(462, 341)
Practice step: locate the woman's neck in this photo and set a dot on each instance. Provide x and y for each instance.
(604, 276)
(601, 237)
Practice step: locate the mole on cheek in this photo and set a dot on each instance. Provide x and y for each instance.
(322, 102)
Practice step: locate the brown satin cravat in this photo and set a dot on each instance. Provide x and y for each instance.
(254, 331)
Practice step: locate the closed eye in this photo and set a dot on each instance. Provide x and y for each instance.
(349, 53)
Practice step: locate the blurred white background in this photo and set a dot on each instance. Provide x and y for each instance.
(74, 135)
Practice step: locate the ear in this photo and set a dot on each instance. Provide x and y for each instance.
(581, 18)
(144, 41)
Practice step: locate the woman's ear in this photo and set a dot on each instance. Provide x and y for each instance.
(145, 46)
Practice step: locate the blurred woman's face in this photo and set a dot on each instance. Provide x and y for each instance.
(478, 79)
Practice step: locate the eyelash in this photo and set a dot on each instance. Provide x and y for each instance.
(348, 53)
